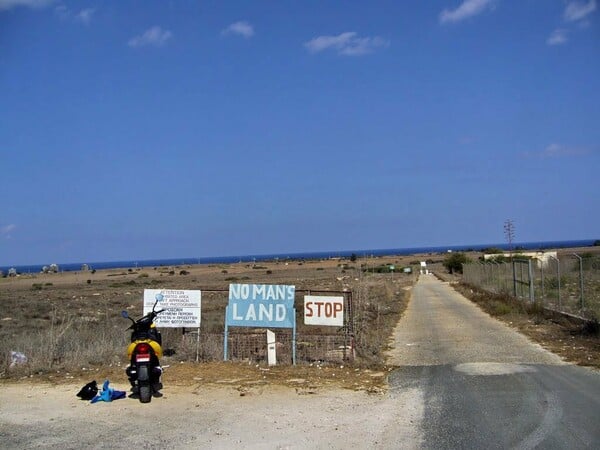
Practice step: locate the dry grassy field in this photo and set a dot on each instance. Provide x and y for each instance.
(71, 321)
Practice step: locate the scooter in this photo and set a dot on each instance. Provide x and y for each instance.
(144, 370)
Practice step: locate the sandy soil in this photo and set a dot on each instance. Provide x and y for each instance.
(271, 417)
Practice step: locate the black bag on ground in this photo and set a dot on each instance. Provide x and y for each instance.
(89, 391)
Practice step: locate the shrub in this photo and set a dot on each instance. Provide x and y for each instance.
(498, 259)
(454, 262)
(492, 251)
(553, 282)
(500, 308)
(591, 327)
(385, 268)
(236, 278)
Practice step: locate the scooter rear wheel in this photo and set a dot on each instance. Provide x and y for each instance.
(144, 385)
(145, 395)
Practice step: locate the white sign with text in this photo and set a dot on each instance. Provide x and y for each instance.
(182, 307)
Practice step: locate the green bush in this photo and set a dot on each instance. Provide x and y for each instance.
(454, 262)
(377, 269)
(492, 251)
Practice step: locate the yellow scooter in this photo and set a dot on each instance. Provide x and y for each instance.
(144, 370)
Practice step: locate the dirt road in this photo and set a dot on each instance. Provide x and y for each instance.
(483, 385)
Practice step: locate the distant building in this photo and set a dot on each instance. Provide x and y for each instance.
(52, 268)
(542, 258)
(12, 272)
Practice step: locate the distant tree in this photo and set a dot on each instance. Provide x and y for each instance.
(492, 250)
(353, 257)
(454, 261)
(597, 243)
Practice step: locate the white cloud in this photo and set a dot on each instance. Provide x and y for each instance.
(155, 36)
(6, 230)
(85, 15)
(555, 150)
(579, 10)
(347, 43)
(241, 28)
(468, 8)
(557, 37)
(9, 4)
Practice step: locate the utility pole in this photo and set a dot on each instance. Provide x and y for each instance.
(509, 234)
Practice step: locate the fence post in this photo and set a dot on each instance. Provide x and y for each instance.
(514, 270)
(558, 280)
(530, 273)
(580, 277)
(542, 275)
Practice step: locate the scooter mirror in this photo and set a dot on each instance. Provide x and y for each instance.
(124, 314)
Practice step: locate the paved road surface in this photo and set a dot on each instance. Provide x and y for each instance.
(484, 385)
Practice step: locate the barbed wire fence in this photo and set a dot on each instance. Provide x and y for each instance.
(569, 284)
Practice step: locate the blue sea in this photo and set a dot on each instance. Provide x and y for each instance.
(66, 267)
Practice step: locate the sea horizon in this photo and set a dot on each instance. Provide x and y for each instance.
(133, 263)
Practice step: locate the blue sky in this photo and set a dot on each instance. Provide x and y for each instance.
(153, 129)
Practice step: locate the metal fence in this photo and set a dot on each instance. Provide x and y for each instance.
(313, 343)
(568, 284)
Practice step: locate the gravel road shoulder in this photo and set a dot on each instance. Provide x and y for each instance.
(35, 416)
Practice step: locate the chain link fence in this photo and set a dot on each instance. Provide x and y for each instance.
(569, 284)
(313, 343)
